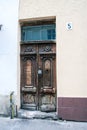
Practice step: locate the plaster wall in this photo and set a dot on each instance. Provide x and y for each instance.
(71, 44)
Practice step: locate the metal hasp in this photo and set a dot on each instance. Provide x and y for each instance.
(11, 105)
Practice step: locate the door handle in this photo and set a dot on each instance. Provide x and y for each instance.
(39, 71)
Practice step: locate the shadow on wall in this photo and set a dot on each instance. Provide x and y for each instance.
(5, 105)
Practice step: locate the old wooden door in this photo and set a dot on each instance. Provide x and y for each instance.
(38, 76)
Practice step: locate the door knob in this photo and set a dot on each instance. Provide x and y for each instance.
(39, 71)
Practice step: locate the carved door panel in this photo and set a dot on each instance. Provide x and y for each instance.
(38, 77)
(29, 77)
(47, 81)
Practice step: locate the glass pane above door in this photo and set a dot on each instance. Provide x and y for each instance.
(38, 33)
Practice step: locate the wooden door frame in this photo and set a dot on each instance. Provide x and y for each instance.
(25, 54)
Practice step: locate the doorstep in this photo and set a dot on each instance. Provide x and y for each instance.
(27, 114)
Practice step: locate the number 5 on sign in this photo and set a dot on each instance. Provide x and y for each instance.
(69, 26)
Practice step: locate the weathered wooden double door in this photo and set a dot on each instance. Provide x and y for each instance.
(38, 76)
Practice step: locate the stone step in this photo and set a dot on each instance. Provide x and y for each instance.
(26, 114)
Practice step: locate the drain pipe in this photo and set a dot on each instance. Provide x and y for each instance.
(11, 105)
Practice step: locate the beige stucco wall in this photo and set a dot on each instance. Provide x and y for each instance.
(71, 44)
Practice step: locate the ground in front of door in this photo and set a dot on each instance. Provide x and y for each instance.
(39, 124)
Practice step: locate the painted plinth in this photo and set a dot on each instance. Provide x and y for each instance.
(72, 108)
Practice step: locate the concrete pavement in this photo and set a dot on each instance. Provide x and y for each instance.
(39, 124)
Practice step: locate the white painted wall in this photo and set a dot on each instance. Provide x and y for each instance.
(8, 46)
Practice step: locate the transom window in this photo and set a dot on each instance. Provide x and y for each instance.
(40, 32)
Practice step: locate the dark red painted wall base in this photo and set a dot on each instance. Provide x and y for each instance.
(72, 108)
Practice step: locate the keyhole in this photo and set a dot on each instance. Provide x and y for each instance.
(47, 70)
